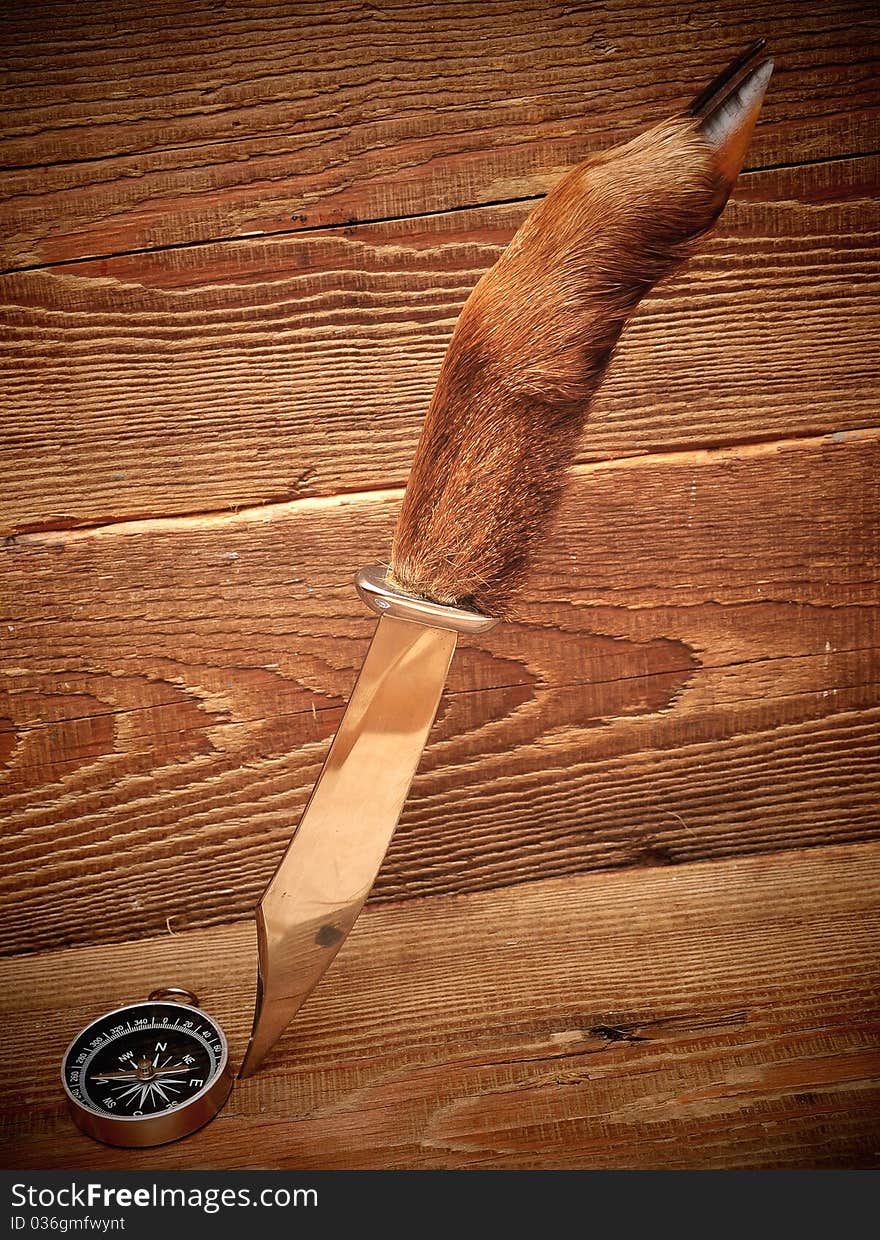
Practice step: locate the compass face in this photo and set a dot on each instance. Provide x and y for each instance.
(145, 1060)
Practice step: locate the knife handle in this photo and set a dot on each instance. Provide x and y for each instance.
(536, 335)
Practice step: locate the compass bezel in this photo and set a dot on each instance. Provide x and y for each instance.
(162, 1126)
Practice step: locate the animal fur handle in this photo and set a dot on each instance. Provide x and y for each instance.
(536, 335)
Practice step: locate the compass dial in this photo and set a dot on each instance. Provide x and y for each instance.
(146, 1060)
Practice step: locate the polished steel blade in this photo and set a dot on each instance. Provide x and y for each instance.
(326, 874)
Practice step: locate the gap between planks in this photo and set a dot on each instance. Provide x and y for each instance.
(375, 221)
(684, 457)
(721, 1014)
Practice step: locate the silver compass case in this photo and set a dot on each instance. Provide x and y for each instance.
(147, 1073)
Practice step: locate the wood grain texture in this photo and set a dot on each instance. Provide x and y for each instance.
(690, 697)
(230, 375)
(695, 675)
(128, 128)
(726, 1014)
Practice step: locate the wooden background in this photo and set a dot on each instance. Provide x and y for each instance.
(631, 916)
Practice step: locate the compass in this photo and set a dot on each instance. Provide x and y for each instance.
(147, 1073)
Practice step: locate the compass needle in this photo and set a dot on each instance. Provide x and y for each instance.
(148, 1073)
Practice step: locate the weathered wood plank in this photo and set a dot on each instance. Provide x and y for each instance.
(723, 1014)
(215, 377)
(695, 675)
(127, 129)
